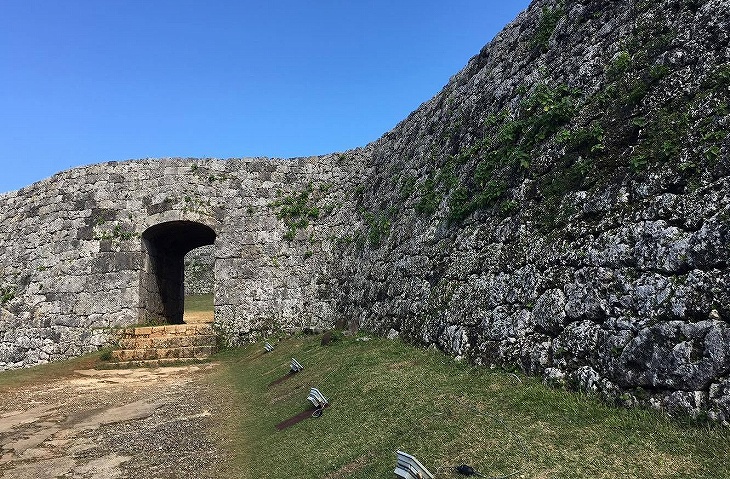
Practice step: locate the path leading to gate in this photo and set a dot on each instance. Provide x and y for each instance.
(128, 423)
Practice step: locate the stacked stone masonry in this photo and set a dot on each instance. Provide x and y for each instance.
(160, 344)
(74, 261)
(562, 205)
(199, 264)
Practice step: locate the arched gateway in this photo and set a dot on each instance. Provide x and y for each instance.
(164, 246)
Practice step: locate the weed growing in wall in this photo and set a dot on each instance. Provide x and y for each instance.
(503, 157)
(196, 204)
(661, 141)
(429, 197)
(378, 228)
(208, 175)
(296, 210)
(7, 293)
(720, 78)
(584, 141)
(117, 232)
(407, 187)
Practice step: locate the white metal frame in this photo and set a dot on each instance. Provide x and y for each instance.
(408, 467)
(317, 398)
(296, 366)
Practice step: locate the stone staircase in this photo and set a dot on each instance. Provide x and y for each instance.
(154, 345)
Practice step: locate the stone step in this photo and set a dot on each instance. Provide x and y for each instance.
(153, 363)
(190, 352)
(155, 345)
(152, 342)
(167, 330)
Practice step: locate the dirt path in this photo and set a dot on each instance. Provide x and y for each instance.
(129, 423)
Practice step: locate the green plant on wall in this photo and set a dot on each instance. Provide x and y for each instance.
(617, 140)
(634, 71)
(196, 204)
(661, 142)
(407, 187)
(585, 141)
(719, 78)
(117, 232)
(7, 293)
(436, 187)
(504, 156)
(206, 174)
(378, 228)
(546, 26)
(296, 210)
(429, 197)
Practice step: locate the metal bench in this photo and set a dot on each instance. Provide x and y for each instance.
(408, 467)
(296, 366)
(268, 347)
(317, 398)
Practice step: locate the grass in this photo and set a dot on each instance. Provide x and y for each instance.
(199, 303)
(386, 395)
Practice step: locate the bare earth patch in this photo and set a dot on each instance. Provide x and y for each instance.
(127, 423)
(194, 317)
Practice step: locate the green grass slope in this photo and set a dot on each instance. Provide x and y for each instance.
(386, 395)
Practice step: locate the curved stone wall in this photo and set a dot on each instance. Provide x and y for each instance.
(73, 262)
(561, 206)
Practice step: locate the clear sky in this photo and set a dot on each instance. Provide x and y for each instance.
(88, 81)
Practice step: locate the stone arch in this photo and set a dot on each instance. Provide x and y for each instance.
(164, 246)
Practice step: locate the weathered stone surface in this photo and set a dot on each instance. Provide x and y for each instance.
(199, 274)
(549, 312)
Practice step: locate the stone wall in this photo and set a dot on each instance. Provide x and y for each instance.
(561, 206)
(199, 264)
(73, 262)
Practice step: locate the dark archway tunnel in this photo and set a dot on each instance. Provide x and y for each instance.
(162, 296)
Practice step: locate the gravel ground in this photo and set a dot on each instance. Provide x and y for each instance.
(128, 423)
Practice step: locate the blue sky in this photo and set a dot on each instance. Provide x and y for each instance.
(88, 81)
